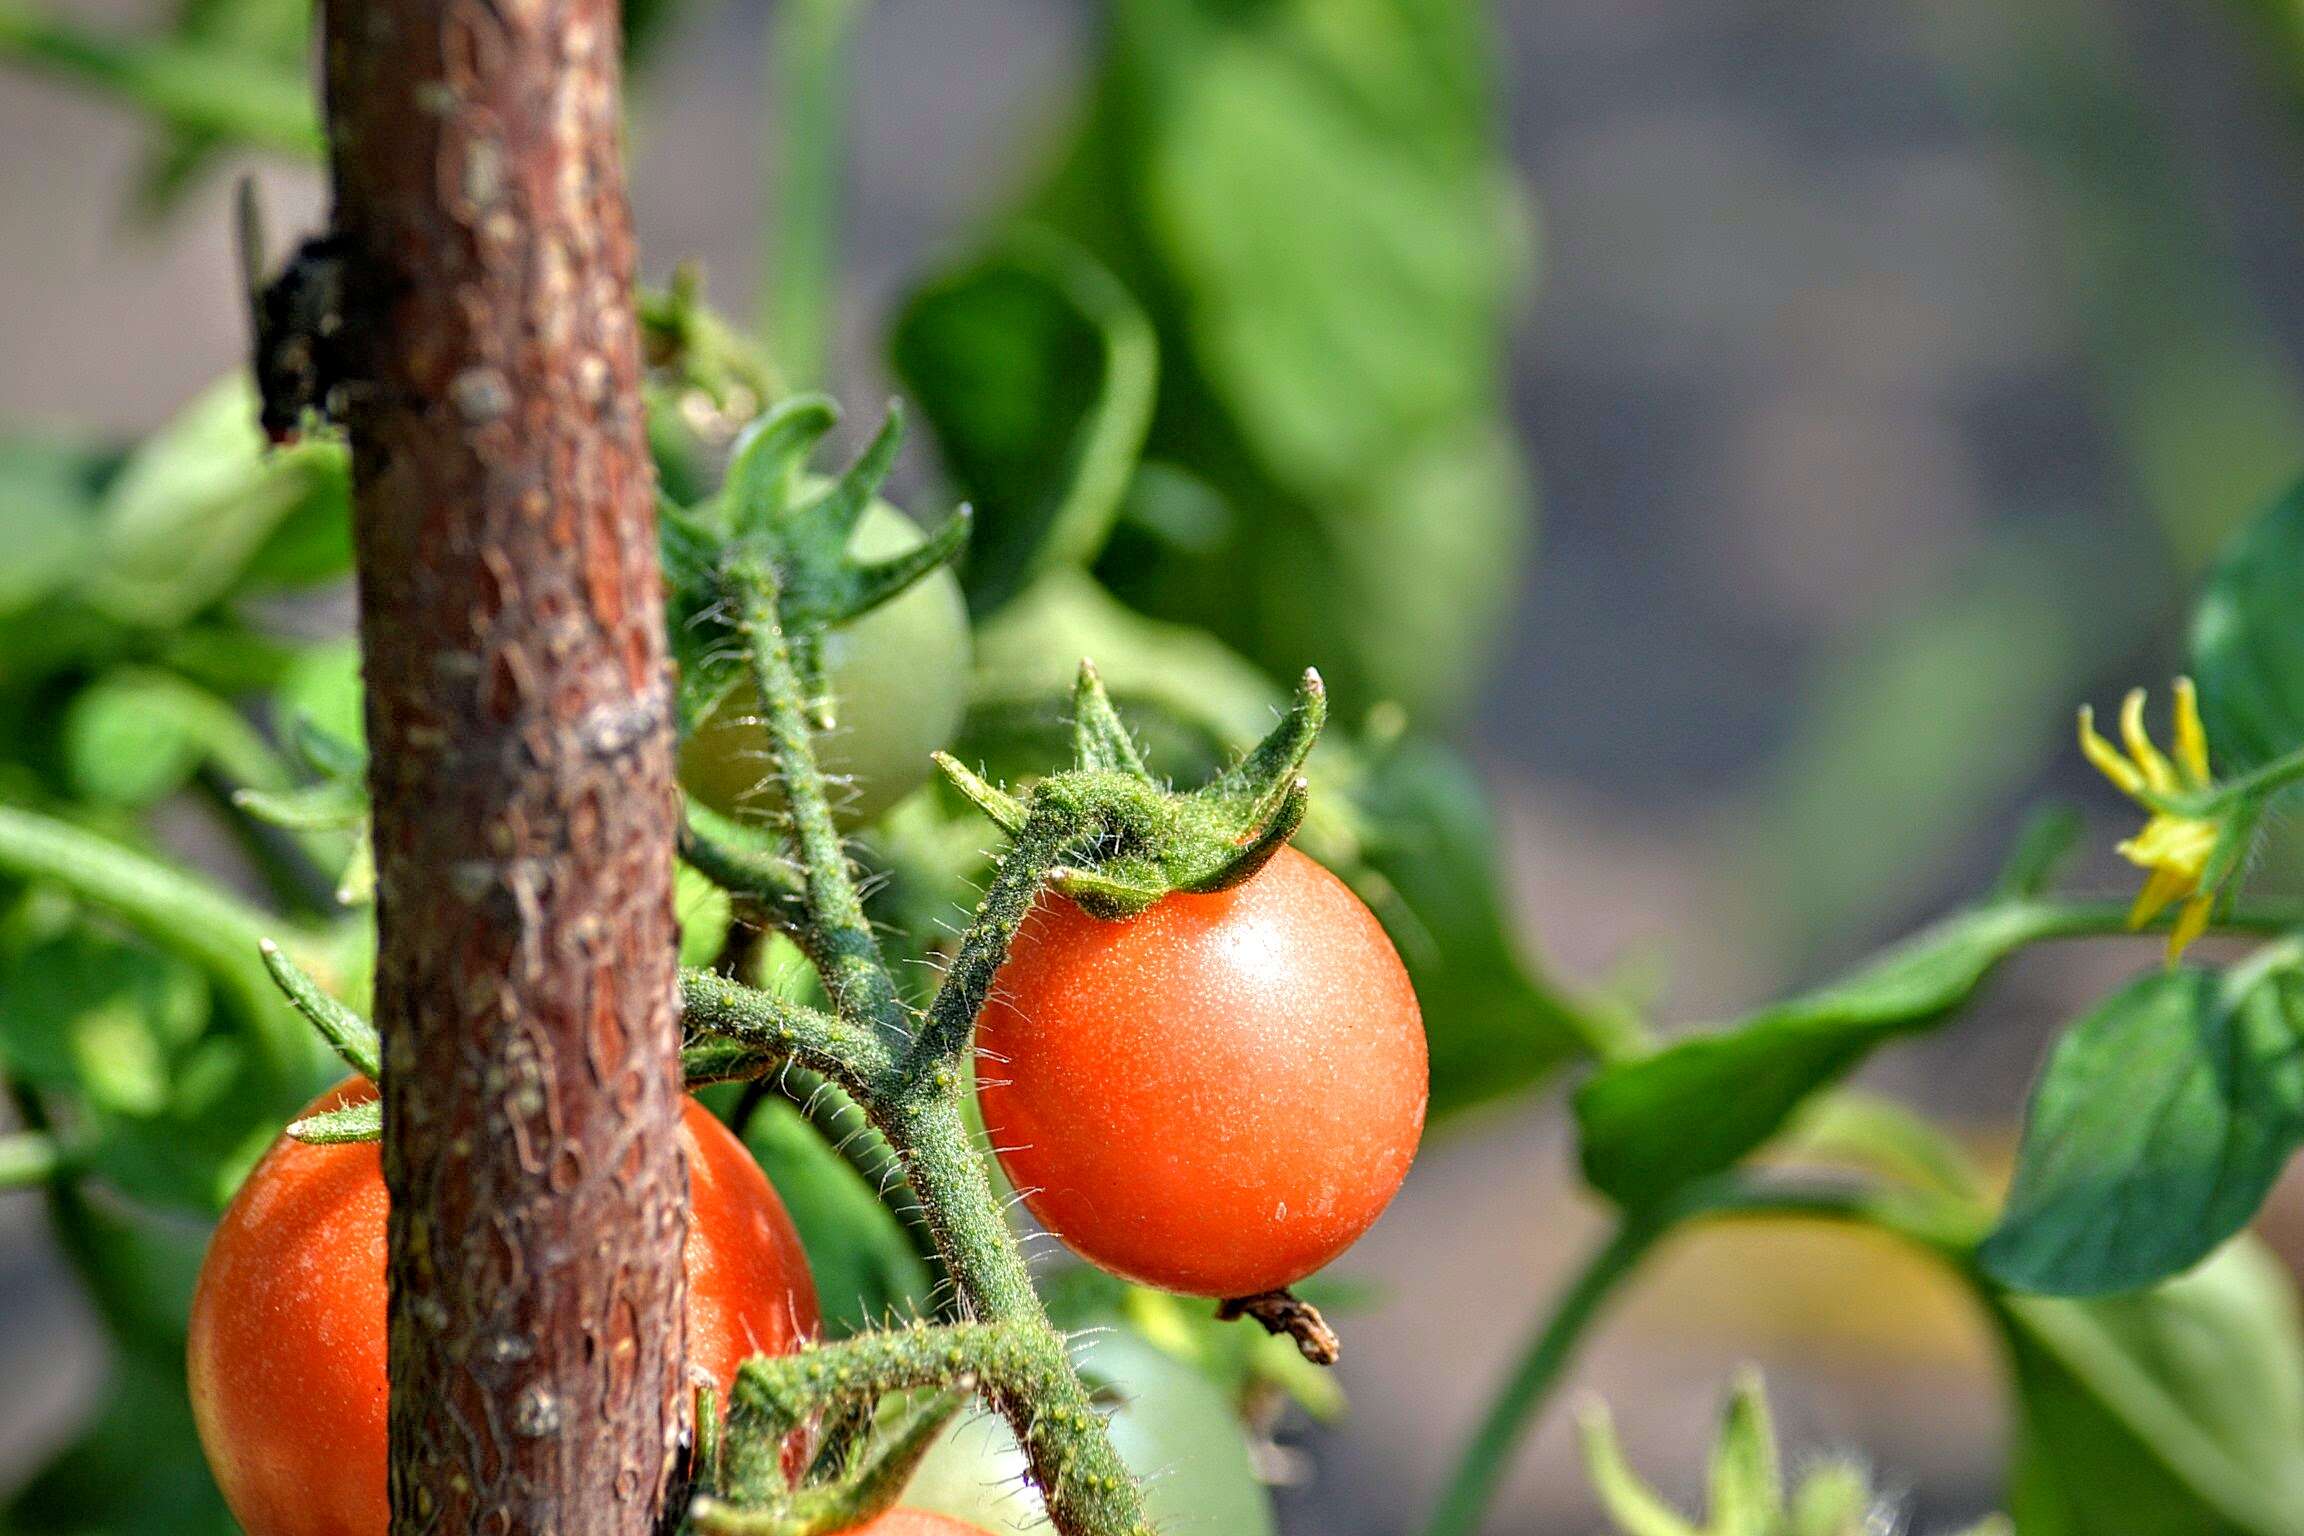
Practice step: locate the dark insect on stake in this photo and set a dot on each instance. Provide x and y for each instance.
(298, 316)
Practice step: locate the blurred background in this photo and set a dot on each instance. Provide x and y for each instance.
(1888, 372)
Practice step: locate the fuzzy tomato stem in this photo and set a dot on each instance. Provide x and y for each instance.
(913, 1093)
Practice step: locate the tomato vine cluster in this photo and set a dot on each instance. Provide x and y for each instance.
(1195, 1054)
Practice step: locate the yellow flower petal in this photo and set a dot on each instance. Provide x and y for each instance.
(2163, 887)
(2191, 922)
(2108, 761)
(2180, 844)
(2157, 772)
(2191, 736)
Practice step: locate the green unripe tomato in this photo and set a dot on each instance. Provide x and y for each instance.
(899, 683)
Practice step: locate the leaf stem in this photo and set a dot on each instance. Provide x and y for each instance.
(1939, 1225)
(806, 154)
(1487, 1456)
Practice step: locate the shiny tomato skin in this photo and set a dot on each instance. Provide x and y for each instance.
(1216, 1097)
(287, 1345)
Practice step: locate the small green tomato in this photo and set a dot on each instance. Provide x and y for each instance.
(898, 677)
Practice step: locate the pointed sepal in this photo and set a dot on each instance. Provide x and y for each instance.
(1005, 810)
(1100, 740)
(773, 526)
(350, 1036)
(345, 1124)
(1129, 840)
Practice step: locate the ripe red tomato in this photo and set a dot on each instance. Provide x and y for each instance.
(1216, 1097)
(287, 1337)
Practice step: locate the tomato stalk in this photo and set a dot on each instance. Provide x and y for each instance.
(912, 1090)
(519, 714)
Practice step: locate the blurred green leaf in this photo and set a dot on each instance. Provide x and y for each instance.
(179, 913)
(48, 500)
(2247, 648)
(266, 36)
(1652, 1125)
(2173, 1412)
(196, 88)
(2155, 1131)
(203, 505)
(867, 1272)
(96, 1016)
(1028, 654)
(1307, 200)
(1035, 370)
(136, 1471)
(136, 735)
(1427, 860)
(322, 688)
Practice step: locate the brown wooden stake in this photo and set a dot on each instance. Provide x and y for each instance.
(519, 722)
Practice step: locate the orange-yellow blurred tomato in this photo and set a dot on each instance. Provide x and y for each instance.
(1216, 1097)
(287, 1338)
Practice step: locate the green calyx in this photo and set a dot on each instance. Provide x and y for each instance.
(1124, 839)
(772, 526)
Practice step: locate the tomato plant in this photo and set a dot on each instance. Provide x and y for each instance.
(1217, 1096)
(1224, 393)
(287, 1338)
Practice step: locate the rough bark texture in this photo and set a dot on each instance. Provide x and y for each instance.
(519, 720)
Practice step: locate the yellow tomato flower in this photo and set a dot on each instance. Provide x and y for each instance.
(2174, 850)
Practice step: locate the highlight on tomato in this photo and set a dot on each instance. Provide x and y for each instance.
(287, 1342)
(1216, 1097)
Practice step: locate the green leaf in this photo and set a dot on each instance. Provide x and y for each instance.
(1631, 1504)
(1036, 370)
(137, 735)
(344, 1124)
(176, 911)
(48, 494)
(1308, 201)
(1651, 1126)
(2172, 1412)
(264, 35)
(200, 89)
(2155, 1132)
(867, 1272)
(200, 501)
(2247, 650)
(136, 1471)
(98, 1017)
(1422, 849)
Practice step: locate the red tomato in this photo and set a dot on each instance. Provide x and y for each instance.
(1216, 1097)
(287, 1338)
